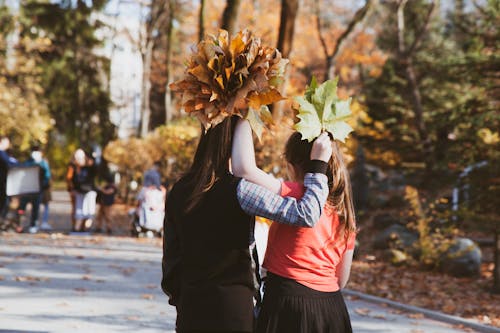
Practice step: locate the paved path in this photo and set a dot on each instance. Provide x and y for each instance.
(65, 283)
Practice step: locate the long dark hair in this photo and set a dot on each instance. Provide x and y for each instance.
(297, 153)
(211, 160)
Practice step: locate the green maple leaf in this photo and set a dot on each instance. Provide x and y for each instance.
(321, 110)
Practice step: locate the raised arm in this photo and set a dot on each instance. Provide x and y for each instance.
(243, 159)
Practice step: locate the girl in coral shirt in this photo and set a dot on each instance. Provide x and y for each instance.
(306, 267)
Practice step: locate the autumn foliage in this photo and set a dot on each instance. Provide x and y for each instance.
(237, 76)
(174, 145)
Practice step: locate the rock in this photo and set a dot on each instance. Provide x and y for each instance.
(462, 259)
(377, 200)
(395, 236)
(375, 173)
(396, 200)
(384, 220)
(396, 257)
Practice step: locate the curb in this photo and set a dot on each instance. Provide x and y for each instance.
(454, 320)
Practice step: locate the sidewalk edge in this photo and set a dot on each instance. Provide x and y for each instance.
(428, 313)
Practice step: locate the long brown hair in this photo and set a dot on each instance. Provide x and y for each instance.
(297, 153)
(211, 160)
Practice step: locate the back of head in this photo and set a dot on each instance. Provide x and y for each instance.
(211, 160)
(80, 158)
(4, 142)
(297, 153)
(109, 177)
(152, 179)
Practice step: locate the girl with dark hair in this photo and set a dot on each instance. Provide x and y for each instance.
(307, 267)
(207, 266)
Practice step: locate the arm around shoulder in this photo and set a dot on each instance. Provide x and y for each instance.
(304, 212)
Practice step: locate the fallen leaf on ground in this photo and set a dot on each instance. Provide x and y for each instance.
(128, 271)
(30, 279)
(362, 311)
(148, 296)
(449, 308)
(416, 315)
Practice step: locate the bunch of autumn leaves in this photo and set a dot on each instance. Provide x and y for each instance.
(232, 77)
(241, 77)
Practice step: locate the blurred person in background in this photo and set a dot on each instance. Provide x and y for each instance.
(152, 176)
(80, 183)
(36, 159)
(106, 199)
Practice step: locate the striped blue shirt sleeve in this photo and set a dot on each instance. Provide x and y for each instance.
(304, 212)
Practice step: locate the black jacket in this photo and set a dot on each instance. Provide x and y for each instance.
(207, 269)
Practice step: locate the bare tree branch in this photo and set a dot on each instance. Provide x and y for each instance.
(318, 27)
(401, 27)
(404, 57)
(201, 21)
(358, 17)
(480, 8)
(423, 30)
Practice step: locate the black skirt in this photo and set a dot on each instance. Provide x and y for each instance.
(289, 306)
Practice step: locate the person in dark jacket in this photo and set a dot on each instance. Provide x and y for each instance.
(208, 230)
(81, 185)
(6, 162)
(106, 199)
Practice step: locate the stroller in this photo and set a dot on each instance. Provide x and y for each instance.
(147, 217)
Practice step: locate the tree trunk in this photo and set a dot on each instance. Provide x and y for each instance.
(496, 270)
(170, 28)
(146, 89)
(201, 21)
(405, 54)
(79, 102)
(417, 103)
(159, 12)
(230, 16)
(289, 9)
(329, 68)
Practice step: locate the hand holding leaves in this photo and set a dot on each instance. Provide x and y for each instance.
(321, 110)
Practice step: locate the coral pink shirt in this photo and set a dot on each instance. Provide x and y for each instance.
(307, 255)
